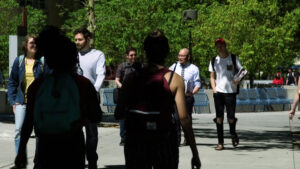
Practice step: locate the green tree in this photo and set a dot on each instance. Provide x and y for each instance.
(121, 24)
(262, 33)
(253, 30)
(10, 18)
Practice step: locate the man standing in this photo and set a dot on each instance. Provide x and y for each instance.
(123, 71)
(92, 63)
(223, 68)
(190, 74)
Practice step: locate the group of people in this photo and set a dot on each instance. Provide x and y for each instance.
(37, 87)
(54, 88)
(291, 78)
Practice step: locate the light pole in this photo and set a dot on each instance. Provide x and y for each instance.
(190, 15)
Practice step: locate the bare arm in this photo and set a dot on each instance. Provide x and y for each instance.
(196, 89)
(177, 88)
(117, 80)
(213, 81)
(295, 103)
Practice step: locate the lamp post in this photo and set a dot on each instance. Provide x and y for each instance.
(22, 30)
(190, 15)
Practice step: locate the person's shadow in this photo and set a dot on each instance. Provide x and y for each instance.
(114, 167)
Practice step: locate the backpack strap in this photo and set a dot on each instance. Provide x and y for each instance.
(172, 73)
(21, 58)
(213, 63)
(233, 58)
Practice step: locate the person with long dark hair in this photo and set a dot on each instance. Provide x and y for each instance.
(147, 102)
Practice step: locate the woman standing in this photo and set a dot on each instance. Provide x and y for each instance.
(25, 69)
(146, 102)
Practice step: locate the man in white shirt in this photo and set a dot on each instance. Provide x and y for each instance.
(190, 74)
(223, 68)
(92, 64)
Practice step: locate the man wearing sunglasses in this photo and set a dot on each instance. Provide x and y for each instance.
(123, 71)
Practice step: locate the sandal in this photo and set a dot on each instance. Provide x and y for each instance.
(219, 147)
(235, 140)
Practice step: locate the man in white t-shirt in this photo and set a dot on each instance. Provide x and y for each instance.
(224, 89)
(191, 77)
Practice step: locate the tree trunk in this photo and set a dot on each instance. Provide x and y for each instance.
(92, 22)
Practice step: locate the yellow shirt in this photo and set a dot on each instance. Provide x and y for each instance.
(28, 78)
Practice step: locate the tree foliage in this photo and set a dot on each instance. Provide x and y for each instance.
(262, 33)
(10, 19)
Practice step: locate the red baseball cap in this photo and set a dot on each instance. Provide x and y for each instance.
(220, 40)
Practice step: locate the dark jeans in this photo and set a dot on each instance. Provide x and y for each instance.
(91, 144)
(227, 100)
(122, 130)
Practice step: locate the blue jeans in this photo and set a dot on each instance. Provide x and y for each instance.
(19, 119)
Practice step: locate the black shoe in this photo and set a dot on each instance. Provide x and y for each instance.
(18, 167)
(92, 167)
(235, 140)
(185, 143)
(122, 143)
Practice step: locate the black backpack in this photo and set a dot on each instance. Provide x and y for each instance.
(233, 58)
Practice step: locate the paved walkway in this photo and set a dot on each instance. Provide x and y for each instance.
(265, 143)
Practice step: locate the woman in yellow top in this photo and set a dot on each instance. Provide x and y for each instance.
(25, 69)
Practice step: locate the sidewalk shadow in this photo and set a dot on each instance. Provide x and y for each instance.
(114, 167)
(252, 140)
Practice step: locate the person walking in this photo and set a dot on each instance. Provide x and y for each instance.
(92, 64)
(58, 107)
(290, 78)
(191, 78)
(26, 68)
(124, 69)
(146, 102)
(223, 68)
(295, 102)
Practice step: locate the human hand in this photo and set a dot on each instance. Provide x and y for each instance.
(189, 94)
(196, 163)
(214, 90)
(236, 82)
(291, 114)
(14, 107)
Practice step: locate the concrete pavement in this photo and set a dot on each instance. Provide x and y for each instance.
(265, 142)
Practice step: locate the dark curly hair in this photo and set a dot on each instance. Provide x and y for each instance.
(59, 51)
(85, 32)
